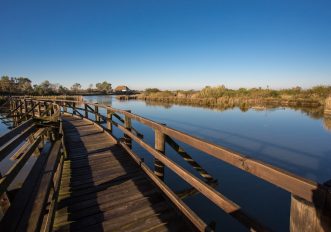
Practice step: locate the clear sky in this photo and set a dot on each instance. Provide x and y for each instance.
(168, 44)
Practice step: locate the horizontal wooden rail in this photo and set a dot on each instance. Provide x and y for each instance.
(300, 187)
(13, 171)
(220, 200)
(7, 148)
(195, 219)
(12, 133)
(290, 182)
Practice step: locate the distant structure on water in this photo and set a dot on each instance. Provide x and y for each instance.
(122, 89)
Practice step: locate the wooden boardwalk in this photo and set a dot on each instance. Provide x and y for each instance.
(103, 189)
(85, 179)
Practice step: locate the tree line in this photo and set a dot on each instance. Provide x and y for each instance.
(23, 86)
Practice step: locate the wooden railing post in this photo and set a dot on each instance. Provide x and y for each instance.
(74, 108)
(127, 125)
(33, 106)
(311, 217)
(39, 109)
(16, 114)
(4, 203)
(25, 108)
(96, 112)
(21, 107)
(85, 110)
(109, 120)
(64, 107)
(160, 146)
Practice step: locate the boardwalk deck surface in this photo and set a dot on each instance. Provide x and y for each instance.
(103, 189)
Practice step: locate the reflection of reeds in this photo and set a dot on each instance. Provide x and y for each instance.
(327, 110)
(327, 122)
(232, 101)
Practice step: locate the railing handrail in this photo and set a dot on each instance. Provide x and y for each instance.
(286, 180)
(298, 186)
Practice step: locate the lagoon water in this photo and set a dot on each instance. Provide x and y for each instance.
(287, 138)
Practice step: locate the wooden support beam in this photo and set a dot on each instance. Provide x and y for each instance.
(109, 120)
(86, 110)
(159, 146)
(127, 126)
(13, 171)
(8, 148)
(311, 216)
(96, 113)
(194, 218)
(14, 132)
(220, 200)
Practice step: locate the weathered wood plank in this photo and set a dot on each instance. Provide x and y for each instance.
(14, 132)
(101, 186)
(32, 221)
(15, 212)
(8, 148)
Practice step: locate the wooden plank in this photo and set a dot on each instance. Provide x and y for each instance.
(6, 180)
(97, 188)
(14, 132)
(194, 218)
(220, 200)
(290, 182)
(8, 148)
(33, 219)
(15, 212)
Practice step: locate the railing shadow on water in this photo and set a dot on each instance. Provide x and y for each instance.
(296, 185)
(284, 156)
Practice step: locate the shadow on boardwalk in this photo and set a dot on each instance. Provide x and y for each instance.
(103, 189)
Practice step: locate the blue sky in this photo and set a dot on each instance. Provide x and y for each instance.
(168, 44)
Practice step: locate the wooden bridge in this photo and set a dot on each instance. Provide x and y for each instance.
(83, 178)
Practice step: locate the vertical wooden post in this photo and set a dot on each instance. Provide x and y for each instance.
(4, 203)
(25, 106)
(74, 108)
(96, 112)
(33, 106)
(109, 120)
(21, 108)
(16, 114)
(311, 217)
(64, 107)
(160, 146)
(39, 109)
(128, 125)
(86, 112)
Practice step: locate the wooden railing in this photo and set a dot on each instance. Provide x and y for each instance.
(38, 133)
(308, 197)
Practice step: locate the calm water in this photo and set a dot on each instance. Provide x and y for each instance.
(286, 138)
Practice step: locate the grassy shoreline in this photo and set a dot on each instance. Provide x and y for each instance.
(234, 102)
(220, 96)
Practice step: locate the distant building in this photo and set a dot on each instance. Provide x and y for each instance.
(122, 88)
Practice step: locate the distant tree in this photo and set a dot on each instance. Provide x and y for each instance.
(7, 84)
(43, 89)
(63, 90)
(75, 87)
(104, 87)
(23, 85)
(90, 88)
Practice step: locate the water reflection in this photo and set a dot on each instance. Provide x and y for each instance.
(327, 123)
